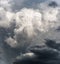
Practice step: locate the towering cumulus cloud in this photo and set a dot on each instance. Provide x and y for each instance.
(23, 27)
(29, 21)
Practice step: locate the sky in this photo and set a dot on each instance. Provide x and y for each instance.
(24, 23)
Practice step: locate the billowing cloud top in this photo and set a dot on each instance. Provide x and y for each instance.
(28, 24)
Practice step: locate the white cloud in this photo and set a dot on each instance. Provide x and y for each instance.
(6, 18)
(11, 42)
(5, 4)
(28, 24)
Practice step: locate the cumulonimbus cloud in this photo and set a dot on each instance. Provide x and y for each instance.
(22, 26)
(28, 23)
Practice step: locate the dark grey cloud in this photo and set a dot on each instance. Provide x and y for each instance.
(53, 4)
(53, 44)
(40, 55)
(58, 29)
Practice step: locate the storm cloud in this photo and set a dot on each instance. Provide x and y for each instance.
(23, 25)
(40, 55)
(26, 24)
